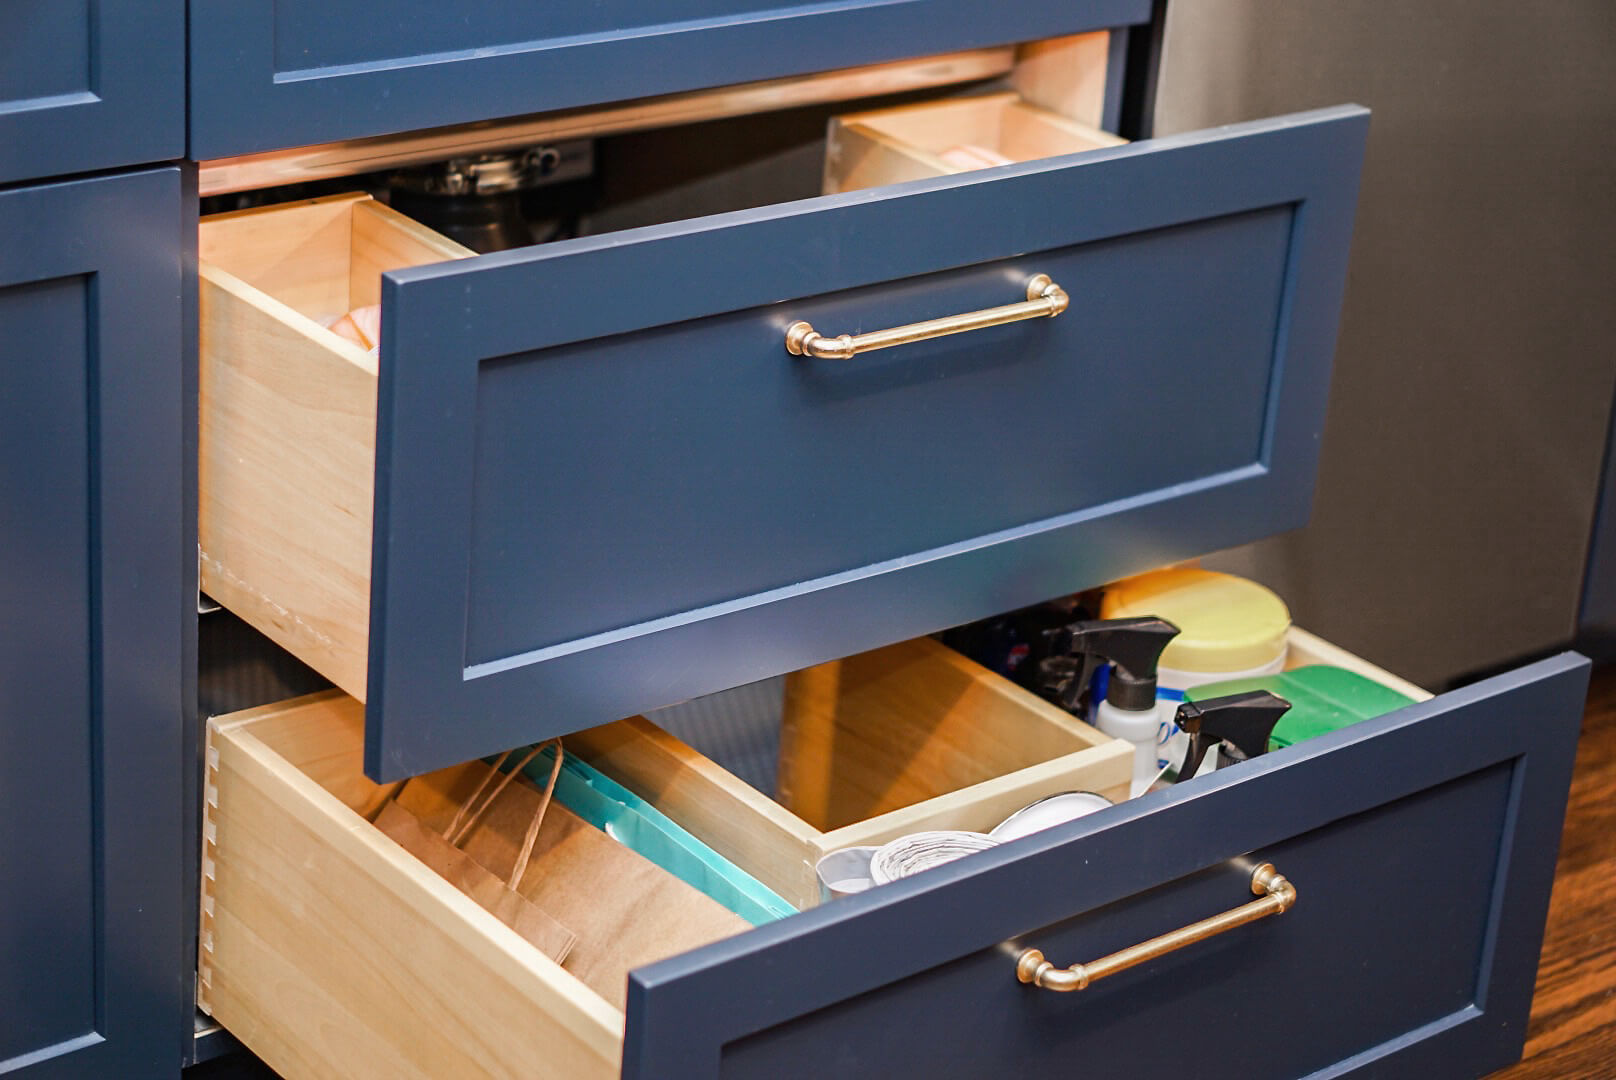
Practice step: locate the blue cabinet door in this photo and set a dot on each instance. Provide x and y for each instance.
(1596, 621)
(90, 84)
(275, 73)
(95, 573)
(1421, 846)
(604, 485)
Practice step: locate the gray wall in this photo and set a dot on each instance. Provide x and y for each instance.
(1477, 355)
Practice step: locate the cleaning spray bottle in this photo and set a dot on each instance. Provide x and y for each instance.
(1235, 727)
(1130, 710)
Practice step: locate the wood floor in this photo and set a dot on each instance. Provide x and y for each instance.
(1573, 1031)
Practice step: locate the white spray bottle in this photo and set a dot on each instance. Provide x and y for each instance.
(1130, 710)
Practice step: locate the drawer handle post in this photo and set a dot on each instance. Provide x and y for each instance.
(1045, 300)
(1277, 896)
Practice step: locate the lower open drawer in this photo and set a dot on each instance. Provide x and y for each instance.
(1421, 845)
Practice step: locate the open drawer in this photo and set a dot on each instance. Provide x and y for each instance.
(601, 481)
(1420, 844)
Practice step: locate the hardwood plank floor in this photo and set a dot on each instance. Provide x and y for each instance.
(1573, 1031)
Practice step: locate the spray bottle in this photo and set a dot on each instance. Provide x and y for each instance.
(1130, 710)
(1236, 727)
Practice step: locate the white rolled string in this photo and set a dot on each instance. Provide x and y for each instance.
(909, 855)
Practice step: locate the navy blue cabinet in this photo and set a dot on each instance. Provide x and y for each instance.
(276, 73)
(603, 484)
(89, 84)
(93, 628)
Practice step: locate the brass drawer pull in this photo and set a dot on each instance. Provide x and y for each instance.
(1277, 897)
(1045, 299)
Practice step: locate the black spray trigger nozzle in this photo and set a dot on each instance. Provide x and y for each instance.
(1133, 645)
(1243, 721)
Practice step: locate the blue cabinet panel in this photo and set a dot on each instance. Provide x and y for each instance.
(1596, 621)
(46, 540)
(781, 468)
(276, 73)
(1421, 845)
(47, 51)
(89, 84)
(603, 485)
(92, 627)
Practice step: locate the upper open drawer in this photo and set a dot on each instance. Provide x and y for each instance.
(279, 73)
(603, 484)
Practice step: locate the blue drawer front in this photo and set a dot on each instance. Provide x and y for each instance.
(89, 85)
(603, 484)
(1421, 846)
(276, 73)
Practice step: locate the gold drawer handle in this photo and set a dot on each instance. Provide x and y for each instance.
(1277, 897)
(1045, 299)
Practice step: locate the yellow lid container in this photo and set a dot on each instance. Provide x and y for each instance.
(1226, 623)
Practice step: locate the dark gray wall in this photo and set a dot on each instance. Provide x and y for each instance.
(1478, 346)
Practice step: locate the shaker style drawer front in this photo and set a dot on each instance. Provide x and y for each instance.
(604, 484)
(267, 74)
(1420, 845)
(89, 85)
(1419, 849)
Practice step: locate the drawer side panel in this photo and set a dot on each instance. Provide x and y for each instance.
(330, 952)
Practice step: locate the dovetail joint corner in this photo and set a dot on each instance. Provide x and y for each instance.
(207, 856)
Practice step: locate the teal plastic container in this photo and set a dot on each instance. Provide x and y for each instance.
(1323, 699)
(647, 831)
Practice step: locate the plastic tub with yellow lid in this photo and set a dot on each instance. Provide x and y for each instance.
(1230, 628)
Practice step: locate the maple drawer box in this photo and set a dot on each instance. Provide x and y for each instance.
(1419, 840)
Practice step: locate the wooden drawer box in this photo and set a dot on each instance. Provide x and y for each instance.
(288, 423)
(600, 480)
(889, 146)
(903, 739)
(331, 952)
(907, 738)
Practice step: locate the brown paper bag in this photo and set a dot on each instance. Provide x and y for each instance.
(625, 910)
(463, 872)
